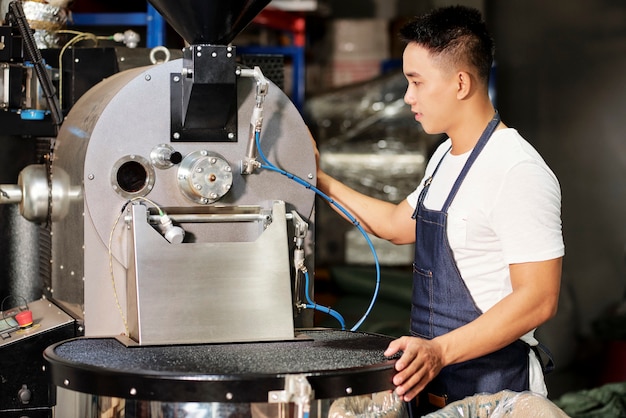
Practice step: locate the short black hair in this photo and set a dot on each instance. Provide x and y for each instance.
(458, 33)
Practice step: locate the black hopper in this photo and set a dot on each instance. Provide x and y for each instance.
(204, 95)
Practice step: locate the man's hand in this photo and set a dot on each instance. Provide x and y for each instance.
(420, 362)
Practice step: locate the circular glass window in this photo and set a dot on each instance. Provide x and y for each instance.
(132, 176)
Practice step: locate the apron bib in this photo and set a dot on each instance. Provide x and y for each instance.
(441, 302)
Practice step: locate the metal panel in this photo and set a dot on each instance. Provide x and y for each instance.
(209, 292)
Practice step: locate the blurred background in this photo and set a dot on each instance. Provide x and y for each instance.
(557, 79)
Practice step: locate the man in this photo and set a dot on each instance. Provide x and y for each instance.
(485, 221)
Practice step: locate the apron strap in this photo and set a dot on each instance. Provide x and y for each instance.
(545, 357)
(482, 141)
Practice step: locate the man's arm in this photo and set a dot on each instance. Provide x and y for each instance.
(533, 301)
(386, 220)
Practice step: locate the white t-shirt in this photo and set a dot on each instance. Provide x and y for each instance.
(508, 210)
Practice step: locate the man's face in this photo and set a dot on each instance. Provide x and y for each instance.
(432, 89)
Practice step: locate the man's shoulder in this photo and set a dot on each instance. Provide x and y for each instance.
(507, 147)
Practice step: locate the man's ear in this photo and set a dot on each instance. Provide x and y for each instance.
(464, 85)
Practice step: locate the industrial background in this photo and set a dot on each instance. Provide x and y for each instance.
(558, 79)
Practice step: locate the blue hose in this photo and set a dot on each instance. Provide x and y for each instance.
(312, 305)
(269, 166)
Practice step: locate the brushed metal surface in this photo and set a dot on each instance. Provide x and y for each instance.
(209, 292)
(127, 115)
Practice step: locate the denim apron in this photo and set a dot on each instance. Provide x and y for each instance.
(441, 302)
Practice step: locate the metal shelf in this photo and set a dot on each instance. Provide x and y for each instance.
(295, 24)
(152, 20)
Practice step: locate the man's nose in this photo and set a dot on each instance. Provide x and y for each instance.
(408, 98)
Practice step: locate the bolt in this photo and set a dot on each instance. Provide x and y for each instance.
(231, 135)
(176, 135)
(310, 176)
(91, 177)
(148, 77)
(176, 79)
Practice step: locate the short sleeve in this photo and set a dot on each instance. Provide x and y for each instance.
(527, 214)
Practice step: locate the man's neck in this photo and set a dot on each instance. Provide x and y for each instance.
(469, 127)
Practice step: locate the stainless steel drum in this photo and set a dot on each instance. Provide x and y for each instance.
(236, 380)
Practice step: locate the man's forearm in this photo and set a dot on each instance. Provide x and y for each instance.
(386, 220)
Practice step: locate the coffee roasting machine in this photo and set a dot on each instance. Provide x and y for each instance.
(180, 201)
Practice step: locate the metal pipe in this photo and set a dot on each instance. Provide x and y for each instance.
(10, 193)
(250, 163)
(211, 218)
